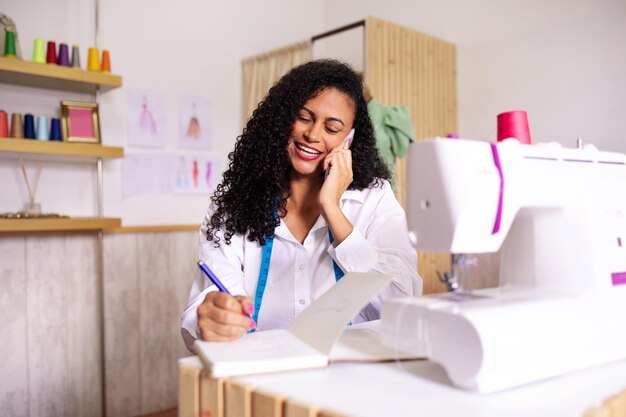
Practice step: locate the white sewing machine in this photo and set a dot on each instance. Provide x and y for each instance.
(559, 217)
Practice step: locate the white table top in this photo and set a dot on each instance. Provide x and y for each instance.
(422, 388)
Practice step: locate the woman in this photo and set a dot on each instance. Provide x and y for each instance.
(292, 187)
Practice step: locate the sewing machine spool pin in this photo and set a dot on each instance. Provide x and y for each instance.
(457, 279)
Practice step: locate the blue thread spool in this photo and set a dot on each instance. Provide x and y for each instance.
(55, 129)
(42, 128)
(29, 126)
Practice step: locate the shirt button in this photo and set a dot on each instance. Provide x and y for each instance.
(302, 267)
(302, 302)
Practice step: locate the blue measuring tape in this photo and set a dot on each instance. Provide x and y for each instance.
(265, 270)
(338, 272)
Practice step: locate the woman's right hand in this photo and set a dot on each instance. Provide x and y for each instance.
(222, 317)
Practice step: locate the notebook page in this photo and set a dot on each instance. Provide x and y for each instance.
(323, 321)
(266, 351)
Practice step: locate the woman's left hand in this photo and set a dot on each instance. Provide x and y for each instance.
(338, 179)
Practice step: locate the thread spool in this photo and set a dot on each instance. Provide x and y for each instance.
(75, 57)
(105, 66)
(4, 124)
(29, 126)
(42, 128)
(64, 56)
(38, 55)
(514, 124)
(17, 128)
(51, 53)
(9, 44)
(93, 62)
(55, 130)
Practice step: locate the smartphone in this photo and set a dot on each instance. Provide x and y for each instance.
(345, 144)
(348, 140)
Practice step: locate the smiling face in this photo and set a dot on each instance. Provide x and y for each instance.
(321, 125)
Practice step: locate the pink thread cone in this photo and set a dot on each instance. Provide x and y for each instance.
(514, 124)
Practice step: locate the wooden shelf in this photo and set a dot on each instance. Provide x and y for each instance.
(56, 77)
(59, 225)
(156, 229)
(33, 146)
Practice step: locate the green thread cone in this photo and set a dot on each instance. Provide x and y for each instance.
(38, 54)
(9, 44)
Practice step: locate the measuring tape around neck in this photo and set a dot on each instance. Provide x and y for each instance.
(265, 269)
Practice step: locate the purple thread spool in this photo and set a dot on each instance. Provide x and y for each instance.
(64, 55)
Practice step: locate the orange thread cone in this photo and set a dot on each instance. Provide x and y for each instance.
(105, 66)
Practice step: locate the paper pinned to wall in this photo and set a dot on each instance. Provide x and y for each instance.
(196, 174)
(195, 122)
(147, 174)
(146, 118)
(151, 173)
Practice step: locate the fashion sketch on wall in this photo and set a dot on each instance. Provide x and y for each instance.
(195, 122)
(146, 118)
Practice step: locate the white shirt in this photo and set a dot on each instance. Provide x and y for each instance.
(300, 273)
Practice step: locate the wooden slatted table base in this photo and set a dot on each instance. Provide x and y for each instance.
(202, 396)
(298, 409)
(188, 390)
(237, 399)
(211, 396)
(614, 406)
(267, 404)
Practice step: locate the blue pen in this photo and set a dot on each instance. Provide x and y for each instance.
(213, 278)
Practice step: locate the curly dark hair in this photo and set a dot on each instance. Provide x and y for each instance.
(255, 187)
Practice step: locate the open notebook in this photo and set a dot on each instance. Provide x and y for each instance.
(309, 342)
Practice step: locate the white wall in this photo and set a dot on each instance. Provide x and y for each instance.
(563, 61)
(177, 48)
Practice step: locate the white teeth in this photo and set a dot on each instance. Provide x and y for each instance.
(307, 150)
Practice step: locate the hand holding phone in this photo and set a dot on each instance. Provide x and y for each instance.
(347, 141)
(345, 144)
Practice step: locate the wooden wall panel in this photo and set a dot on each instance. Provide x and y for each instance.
(84, 342)
(121, 312)
(50, 341)
(13, 324)
(156, 314)
(185, 253)
(148, 277)
(409, 68)
(50, 346)
(46, 327)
